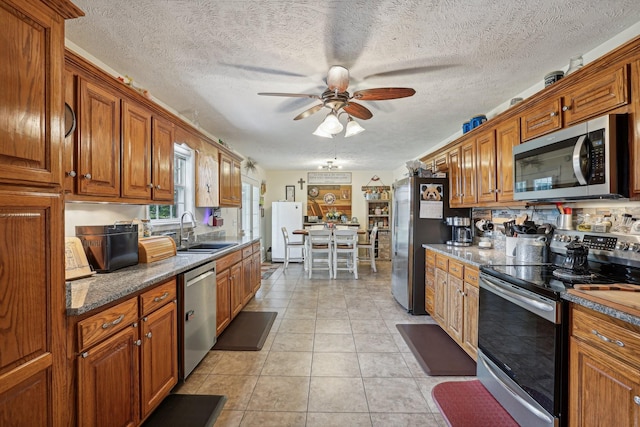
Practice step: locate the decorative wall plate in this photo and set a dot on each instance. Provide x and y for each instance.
(329, 198)
(313, 192)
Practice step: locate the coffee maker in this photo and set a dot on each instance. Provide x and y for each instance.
(460, 231)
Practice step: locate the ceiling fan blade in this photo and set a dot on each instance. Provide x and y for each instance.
(357, 110)
(338, 78)
(310, 111)
(383, 93)
(294, 95)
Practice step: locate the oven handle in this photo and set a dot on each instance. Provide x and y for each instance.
(577, 170)
(538, 413)
(531, 302)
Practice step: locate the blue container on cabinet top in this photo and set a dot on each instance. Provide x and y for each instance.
(466, 127)
(477, 121)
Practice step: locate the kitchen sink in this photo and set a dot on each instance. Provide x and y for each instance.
(207, 248)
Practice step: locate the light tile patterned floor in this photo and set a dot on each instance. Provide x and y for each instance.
(333, 358)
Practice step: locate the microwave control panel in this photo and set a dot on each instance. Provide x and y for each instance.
(598, 161)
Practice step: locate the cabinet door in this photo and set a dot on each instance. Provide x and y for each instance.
(257, 271)
(603, 391)
(507, 137)
(486, 167)
(108, 382)
(455, 313)
(247, 280)
(223, 301)
(429, 280)
(236, 183)
(136, 151)
(237, 288)
(468, 173)
(455, 183)
(596, 96)
(32, 345)
(470, 329)
(207, 193)
(69, 151)
(159, 370)
(226, 180)
(162, 163)
(31, 129)
(440, 298)
(541, 119)
(99, 145)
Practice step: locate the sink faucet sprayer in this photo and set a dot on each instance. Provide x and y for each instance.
(193, 223)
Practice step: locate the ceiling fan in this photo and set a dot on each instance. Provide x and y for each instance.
(336, 97)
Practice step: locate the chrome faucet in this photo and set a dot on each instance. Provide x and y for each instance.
(193, 222)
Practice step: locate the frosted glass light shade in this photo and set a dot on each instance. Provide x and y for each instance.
(331, 124)
(353, 128)
(320, 132)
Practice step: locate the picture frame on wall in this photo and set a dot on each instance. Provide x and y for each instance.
(290, 193)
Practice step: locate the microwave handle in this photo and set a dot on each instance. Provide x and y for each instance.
(577, 170)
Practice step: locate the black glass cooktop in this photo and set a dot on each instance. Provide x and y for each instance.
(542, 280)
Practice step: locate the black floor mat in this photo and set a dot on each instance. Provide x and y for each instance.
(187, 410)
(247, 332)
(435, 351)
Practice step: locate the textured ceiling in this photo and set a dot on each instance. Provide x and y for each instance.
(463, 58)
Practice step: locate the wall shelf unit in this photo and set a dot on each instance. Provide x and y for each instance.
(379, 213)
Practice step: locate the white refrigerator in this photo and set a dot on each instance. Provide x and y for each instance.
(289, 215)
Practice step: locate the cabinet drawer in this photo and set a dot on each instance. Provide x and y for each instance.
(471, 276)
(158, 296)
(247, 252)
(228, 260)
(106, 323)
(456, 269)
(442, 262)
(607, 334)
(256, 247)
(430, 257)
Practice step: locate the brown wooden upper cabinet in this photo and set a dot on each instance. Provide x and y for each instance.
(98, 148)
(162, 160)
(136, 151)
(455, 182)
(207, 178)
(487, 177)
(468, 172)
(588, 98)
(230, 181)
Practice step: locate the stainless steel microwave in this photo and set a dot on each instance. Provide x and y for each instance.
(585, 161)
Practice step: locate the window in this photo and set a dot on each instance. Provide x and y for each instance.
(250, 210)
(184, 188)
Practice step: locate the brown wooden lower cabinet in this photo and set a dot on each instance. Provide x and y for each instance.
(604, 370)
(128, 361)
(455, 301)
(429, 280)
(238, 278)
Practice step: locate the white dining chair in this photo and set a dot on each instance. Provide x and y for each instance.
(288, 245)
(319, 251)
(370, 247)
(345, 252)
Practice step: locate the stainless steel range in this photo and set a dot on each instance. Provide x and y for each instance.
(523, 320)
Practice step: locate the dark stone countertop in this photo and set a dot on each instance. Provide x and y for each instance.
(473, 255)
(602, 308)
(84, 295)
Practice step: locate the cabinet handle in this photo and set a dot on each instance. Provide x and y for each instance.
(87, 176)
(72, 174)
(553, 114)
(158, 187)
(115, 322)
(148, 335)
(607, 339)
(138, 343)
(86, 354)
(566, 108)
(150, 185)
(636, 399)
(158, 299)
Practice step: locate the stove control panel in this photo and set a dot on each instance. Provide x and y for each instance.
(600, 242)
(605, 244)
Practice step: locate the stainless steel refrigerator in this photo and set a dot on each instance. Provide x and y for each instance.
(420, 206)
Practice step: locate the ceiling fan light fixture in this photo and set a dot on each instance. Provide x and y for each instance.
(321, 132)
(331, 124)
(353, 128)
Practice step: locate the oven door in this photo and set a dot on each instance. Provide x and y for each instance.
(520, 357)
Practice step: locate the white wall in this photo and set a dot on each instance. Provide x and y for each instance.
(277, 180)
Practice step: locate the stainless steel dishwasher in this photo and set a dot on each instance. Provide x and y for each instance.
(198, 315)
